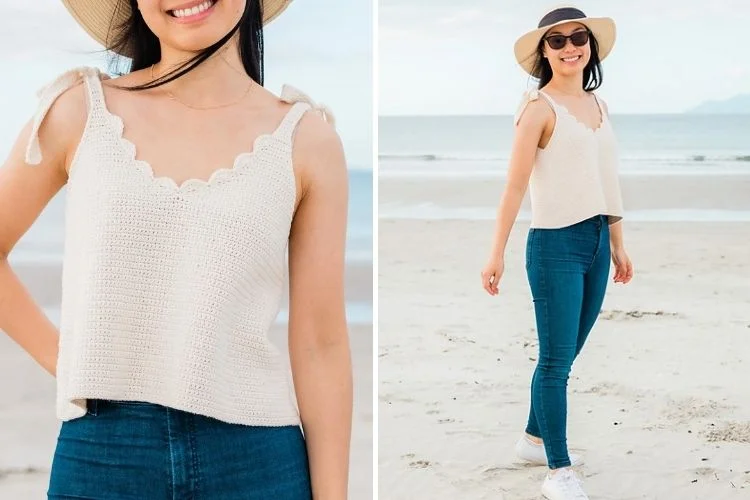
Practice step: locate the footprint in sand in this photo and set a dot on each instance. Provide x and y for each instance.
(606, 389)
(684, 411)
(22, 471)
(393, 398)
(417, 464)
(705, 471)
(618, 315)
(455, 339)
(731, 432)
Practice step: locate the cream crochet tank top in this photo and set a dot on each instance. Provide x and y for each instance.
(575, 176)
(169, 291)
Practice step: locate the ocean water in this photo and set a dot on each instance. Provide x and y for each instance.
(453, 147)
(460, 146)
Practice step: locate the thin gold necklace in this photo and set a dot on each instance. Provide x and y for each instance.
(175, 98)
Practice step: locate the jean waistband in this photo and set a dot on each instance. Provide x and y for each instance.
(599, 220)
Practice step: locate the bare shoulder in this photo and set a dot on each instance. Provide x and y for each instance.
(116, 87)
(604, 105)
(534, 111)
(318, 150)
(63, 124)
(540, 109)
(315, 134)
(602, 101)
(70, 105)
(138, 77)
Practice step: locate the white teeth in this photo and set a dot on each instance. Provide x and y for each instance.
(195, 10)
(571, 59)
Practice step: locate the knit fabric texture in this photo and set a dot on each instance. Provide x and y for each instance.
(576, 175)
(169, 291)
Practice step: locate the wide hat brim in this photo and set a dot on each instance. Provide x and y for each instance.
(603, 29)
(100, 18)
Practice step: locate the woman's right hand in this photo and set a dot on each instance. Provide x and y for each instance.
(492, 273)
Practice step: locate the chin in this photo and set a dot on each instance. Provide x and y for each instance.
(575, 71)
(197, 42)
(568, 71)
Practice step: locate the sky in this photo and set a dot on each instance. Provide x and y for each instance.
(307, 46)
(447, 57)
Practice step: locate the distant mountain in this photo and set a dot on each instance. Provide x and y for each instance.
(737, 105)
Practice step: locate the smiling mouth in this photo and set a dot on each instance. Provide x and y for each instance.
(193, 11)
(571, 59)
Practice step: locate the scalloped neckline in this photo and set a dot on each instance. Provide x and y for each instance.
(575, 118)
(192, 183)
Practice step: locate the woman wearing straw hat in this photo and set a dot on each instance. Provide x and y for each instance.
(565, 152)
(186, 182)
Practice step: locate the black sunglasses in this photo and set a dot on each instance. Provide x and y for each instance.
(557, 42)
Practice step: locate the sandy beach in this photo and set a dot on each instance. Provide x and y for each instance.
(28, 423)
(658, 403)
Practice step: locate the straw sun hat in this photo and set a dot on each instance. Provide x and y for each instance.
(603, 29)
(100, 18)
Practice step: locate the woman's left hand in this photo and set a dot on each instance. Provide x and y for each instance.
(623, 266)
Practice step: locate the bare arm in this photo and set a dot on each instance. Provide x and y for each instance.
(525, 142)
(529, 132)
(24, 192)
(318, 337)
(615, 236)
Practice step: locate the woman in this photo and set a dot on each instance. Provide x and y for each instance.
(186, 183)
(564, 150)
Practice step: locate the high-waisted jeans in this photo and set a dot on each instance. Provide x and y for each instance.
(568, 269)
(141, 451)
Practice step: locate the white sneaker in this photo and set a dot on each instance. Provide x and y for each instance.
(534, 453)
(563, 485)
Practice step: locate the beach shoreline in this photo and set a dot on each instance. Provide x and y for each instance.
(640, 192)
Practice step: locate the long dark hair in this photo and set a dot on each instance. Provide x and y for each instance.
(136, 38)
(592, 73)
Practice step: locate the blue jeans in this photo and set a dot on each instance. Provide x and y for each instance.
(141, 451)
(568, 269)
